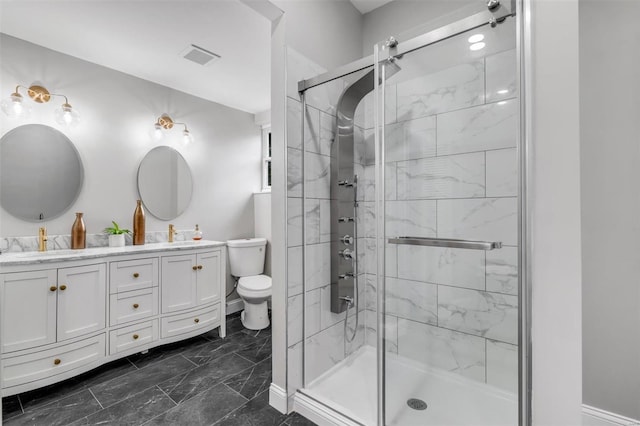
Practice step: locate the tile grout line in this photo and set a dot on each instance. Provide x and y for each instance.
(167, 395)
(94, 397)
(20, 402)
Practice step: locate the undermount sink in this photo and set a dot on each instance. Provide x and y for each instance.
(46, 253)
(179, 243)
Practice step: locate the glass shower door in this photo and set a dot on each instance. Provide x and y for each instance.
(447, 230)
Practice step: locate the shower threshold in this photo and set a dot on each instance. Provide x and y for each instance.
(349, 388)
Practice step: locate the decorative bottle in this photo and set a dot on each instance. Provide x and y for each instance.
(78, 233)
(138, 225)
(197, 234)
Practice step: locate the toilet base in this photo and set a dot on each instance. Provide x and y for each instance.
(255, 316)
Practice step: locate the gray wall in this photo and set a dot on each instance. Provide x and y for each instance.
(610, 161)
(117, 110)
(399, 16)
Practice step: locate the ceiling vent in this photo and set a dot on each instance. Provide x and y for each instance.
(199, 55)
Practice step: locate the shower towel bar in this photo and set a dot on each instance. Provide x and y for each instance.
(447, 242)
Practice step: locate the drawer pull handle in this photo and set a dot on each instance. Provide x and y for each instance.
(136, 275)
(63, 287)
(196, 320)
(56, 361)
(194, 267)
(136, 306)
(53, 288)
(199, 266)
(135, 337)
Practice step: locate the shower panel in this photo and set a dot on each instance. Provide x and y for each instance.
(343, 192)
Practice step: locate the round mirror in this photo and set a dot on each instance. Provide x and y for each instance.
(164, 183)
(40, 172)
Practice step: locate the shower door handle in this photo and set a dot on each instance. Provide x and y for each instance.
(446, 242)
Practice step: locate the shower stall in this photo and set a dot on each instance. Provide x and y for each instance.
(412, 299)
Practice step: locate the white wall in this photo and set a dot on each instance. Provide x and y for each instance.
(555, 214)
(116, 111)
(399, 16)
(330, 32)
(610, 125)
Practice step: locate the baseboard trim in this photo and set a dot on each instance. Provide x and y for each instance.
(278, 398)
(608, 418)
(319, 413)
(234, 306)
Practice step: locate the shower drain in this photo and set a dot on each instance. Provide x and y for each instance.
(417, 404)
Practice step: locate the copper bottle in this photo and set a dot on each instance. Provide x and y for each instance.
(78, 233)
(138, 225)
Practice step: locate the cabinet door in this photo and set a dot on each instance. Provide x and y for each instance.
(208, 277)
(82, 296)
(178, 282)
(28, 309)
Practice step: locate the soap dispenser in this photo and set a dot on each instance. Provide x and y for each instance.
(197, 234)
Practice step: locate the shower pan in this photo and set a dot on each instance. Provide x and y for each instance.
(412, 213)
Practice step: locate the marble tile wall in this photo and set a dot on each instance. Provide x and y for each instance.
(308, 311)
(63, 242)
(451, 172)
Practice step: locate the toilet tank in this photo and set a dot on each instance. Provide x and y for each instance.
(246, 256)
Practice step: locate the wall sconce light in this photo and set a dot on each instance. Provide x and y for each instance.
(165, 122)
(14, 106)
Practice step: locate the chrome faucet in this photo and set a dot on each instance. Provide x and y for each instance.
(42, 239)
(172, 232)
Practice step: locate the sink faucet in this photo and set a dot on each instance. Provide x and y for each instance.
(42, 239)
(172, 232)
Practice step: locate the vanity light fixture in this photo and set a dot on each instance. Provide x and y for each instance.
(165, 122)
(14, 106)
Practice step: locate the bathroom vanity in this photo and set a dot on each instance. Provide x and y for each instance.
(65, 312)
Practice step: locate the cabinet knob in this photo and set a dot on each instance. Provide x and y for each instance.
(53, 288)
(63, 287)
(135, 306)
(56, 361)
(194, 267)
(199, 266)
(196, 320)
(136, 275)
(135, 337)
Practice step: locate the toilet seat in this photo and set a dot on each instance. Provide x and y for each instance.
(255, 286)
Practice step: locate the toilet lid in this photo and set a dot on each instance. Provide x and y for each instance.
(256, 282)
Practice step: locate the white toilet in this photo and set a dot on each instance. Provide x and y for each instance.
(246, 258)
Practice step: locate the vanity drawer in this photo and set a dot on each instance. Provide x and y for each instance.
(28, 368)
(130, 275)
(185, 323)
(133, 305)
(134, 336)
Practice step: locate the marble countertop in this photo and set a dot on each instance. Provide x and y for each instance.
(37, 257)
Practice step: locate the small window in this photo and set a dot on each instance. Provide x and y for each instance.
(266, 158)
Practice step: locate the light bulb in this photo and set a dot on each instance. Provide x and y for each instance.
(67, 116)
(187, 137)
(156, 132)
(13, 107)
(477, 46)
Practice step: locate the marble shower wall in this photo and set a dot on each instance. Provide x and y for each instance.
(323, 329)
(451, 172)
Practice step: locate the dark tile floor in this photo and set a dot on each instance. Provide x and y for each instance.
(205, 380)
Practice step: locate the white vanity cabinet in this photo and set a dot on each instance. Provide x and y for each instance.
(52, 305)
(192, 280)
(65, 314)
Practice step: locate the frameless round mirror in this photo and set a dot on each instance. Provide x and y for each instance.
(164, 183)
(40, 172)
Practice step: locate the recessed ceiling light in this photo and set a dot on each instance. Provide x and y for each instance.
(477, 46)
(503, 92)
(502, 102)
(476, 38)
